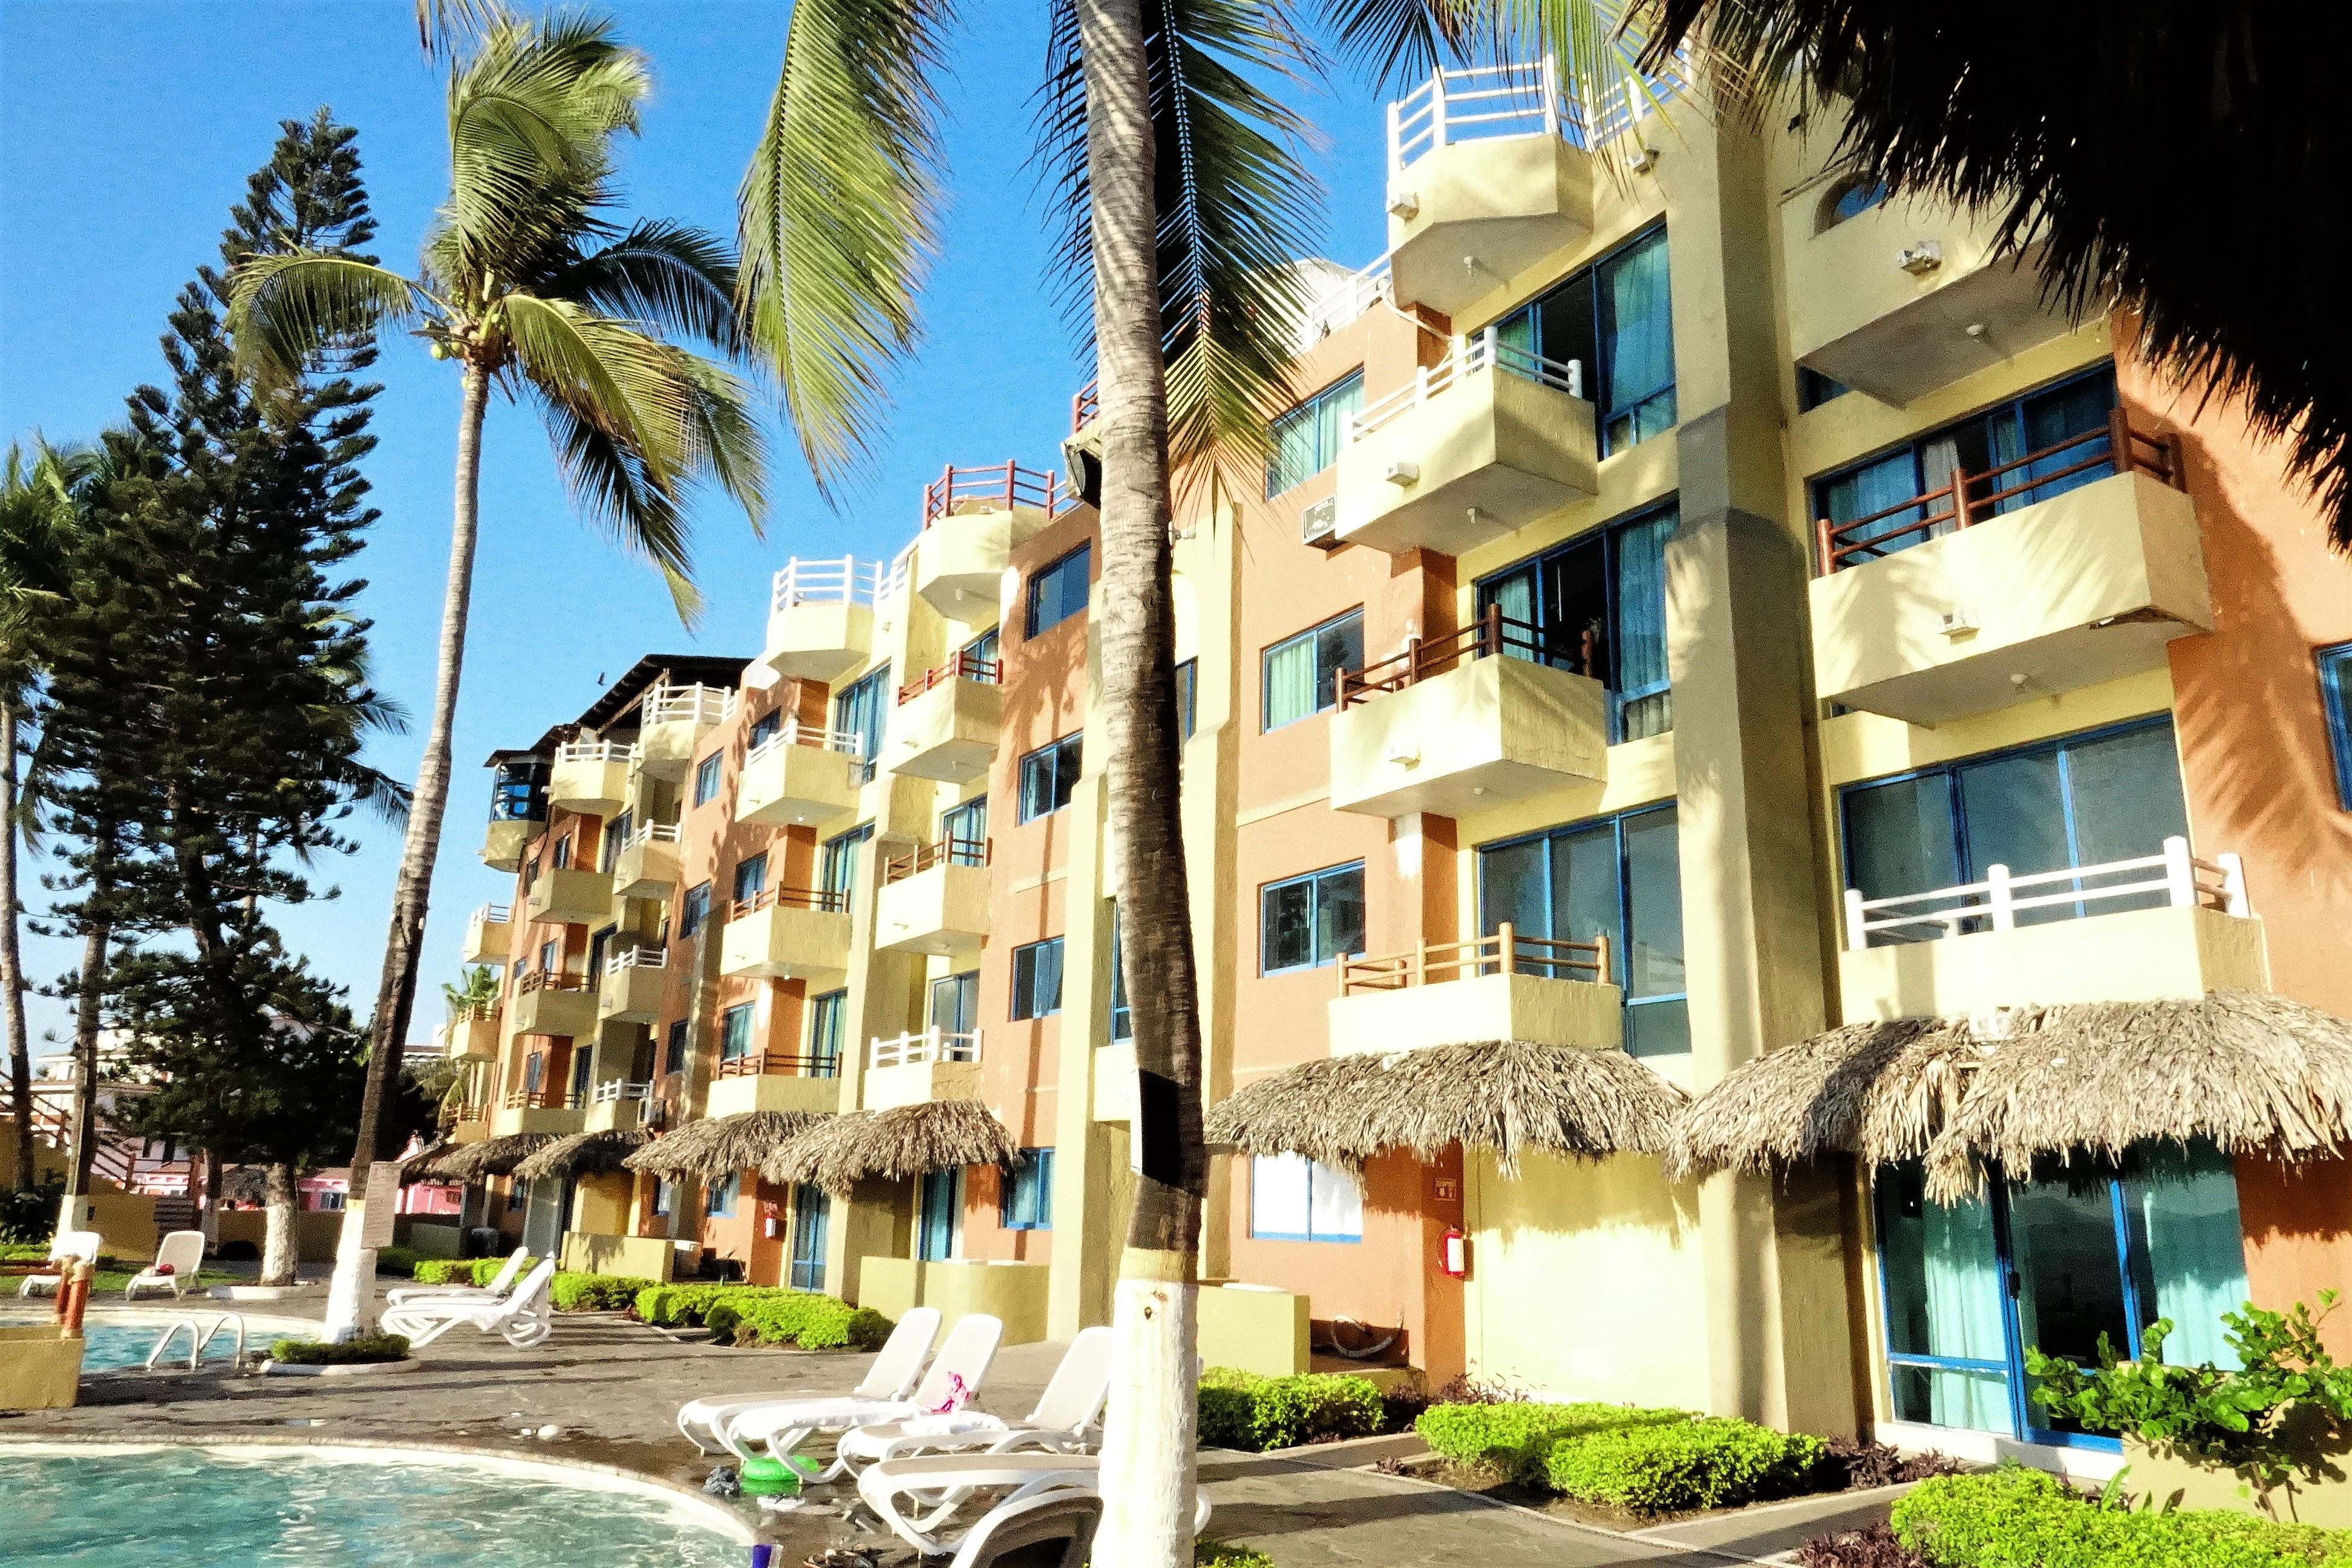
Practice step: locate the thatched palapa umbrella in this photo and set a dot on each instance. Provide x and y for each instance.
(890, 1145)
(490, 1157)
(1503, 1096)
(579, 1154)
(716, 1147)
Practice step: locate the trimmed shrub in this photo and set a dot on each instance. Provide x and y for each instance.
(1874, 1546)
(1515, 1437)
(2017, 1517)
(803, 1317)
(485, 1270)
(1209, 1553)
(366, 1350)
(1714, 1462)
(681, 1306)
(399, 1261)
(573, 1292)
(1244, 1410)
(444, 1271)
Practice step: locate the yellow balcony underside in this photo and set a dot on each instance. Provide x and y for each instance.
(475, 1038)
(595, 789)
(772, 1091)
(568, 896)
(632, 996)
(571, 1013)
(820, 641)
(797, 785)
(1484, 732)
(1487, 210)
(2067, 592)
(648, 869)
(2137, 955)
(780, 942)
(948, 733)
(960, 559)
(1476, 1009)
(503, 844)
(918, 1083)
(556, 1122)
(485, 940)
(668, 749)
(941, 910)
(1489, 454)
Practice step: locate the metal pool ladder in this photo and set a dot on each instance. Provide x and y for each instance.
(198, 1337)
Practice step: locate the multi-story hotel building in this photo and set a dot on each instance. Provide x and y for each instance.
(1843, 588)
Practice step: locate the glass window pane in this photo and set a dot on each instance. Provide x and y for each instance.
(1943, 1290)
(1641, 629)
(1278, 1200)
(2126, 794)
(1637, 338)
(2060, 414)
(2188, 1255)
(1584, 886)
(1658, 1028)
(1899, 839)
(1290, 684)
(1654, 913)
(1338, 646)
(1338, 915)
(1287, 926)
(1512, 886)
(751, 876)
(1870, 489)
(2013, 815)
(1335, 1204)
(1514, 593)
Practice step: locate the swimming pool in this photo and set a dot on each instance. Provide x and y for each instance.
(254, 1507)
(114, 1338)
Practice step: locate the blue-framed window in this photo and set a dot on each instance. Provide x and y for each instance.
(1616, 318)
(735, 1033)
(674, 1049)
(1188, 698)
(1058, 591)
(1029, 1192)
(1310, 921)
(751, 876)
(1037, 979)
(2080, 800)
(1598, 606)
(1048, 776)
(1122, 1019)
(1307, 440)
(980, 657)
(955, 1003)
(860, 709)
(706, 780)
(1301, 673)
(764, 729)
(1813, 388)
(938, 1215)
(584, 1063)
(965, 830)
(1621, 877)
(828, 1028)
(693, 908)
(1849, 198)
(811, 1210)
(551, 956)
(836, 870)
(2335, 702)
(1293, 1198)
(719, 1197)
(2040, 419)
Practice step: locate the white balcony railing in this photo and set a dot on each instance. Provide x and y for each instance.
(630, 958)
(653, 832)
(843, 580)
(1476, 353)
(596, 751)
(1521, 99)
(614, 1089)
(1345, 300)
(932, 1044)
(2183, 881)
(493, 915)
(696, 704)
(796, 734)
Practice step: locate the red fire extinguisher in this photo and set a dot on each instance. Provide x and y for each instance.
(1454, 1254)
(771, 1225)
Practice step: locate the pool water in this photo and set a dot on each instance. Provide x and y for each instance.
(112, 1341)
(268, 1508)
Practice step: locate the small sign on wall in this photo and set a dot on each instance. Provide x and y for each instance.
(1445, 1189)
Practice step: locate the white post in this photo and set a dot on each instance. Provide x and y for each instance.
(2004, 916)
(1487, 347)
(1396, 147)
(1438, 109)
(1856, 939)
(2180, 873)
(1421, 385)
(1549, 87)
(1576, 378)
(2233, 887)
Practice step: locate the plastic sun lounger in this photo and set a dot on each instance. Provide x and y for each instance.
(522, 1320)
(896, 1367)
(782, 1427)
(177, 1260)
(914, 1498)
(1065, 1421)
(495, 1290)
(69, 1245)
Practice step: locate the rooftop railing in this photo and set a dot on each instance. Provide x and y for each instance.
(784, 1064)
(917, 1048)
(1518, 98)
(1969, 498)
(630, 958)
(965, 665)
(697, 704)
(943, 852)
(823, 900)
(842, 580)
(1085, 406)
(596, 751)
(1507, 952)
(1483, 349)
(2172, 876)
(1492, 633)
(1000, 486)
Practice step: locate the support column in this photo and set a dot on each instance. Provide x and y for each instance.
(873, 1222)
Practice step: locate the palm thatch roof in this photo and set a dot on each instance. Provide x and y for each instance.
(1503, 1096)
(890, 1145)
(1879, 1090)
(716, 1147)
(581, 1154)
(2249, 1070)
(490, 1157)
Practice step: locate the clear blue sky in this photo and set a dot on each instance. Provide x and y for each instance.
(127, 130)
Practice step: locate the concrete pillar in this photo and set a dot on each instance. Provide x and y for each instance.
(880, 985)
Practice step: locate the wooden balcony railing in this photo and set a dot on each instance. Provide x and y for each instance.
(552, 980)
(1000, 486)
(965, 665)
(1423, 659)
(1972, 498)
(542, 1100)
(823, 900)
(474, 1012)
(2172, 876)
(784, 1064)
(1085, 406)
(943, 852)
(1505, 952)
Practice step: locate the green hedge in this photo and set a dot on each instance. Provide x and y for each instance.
(1244, 1410)
(367, 1349)
(463, 1270)
(1715, 1462)
(573, 1292)
(802, 1318)
(682, 1306)
(397, 1260)
(1209, 1553)
(1515, 1437)
(2017, 1517)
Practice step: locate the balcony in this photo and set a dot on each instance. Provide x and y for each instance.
(945, 725)
(555, 1004)
(934, 899)
(922, 1066)
(474, 1033)
(568, 895)
(631, 989)
(2167, 925)
(672, 721)
(591, 777)
(1449, 727)
(789, 933)
(1506, 986)
(509, 839)
(1479, 444)
(1983, 592)
(821, 617)
(646, 867)
(488, 931)
(1907, 297)
(774, 1080)
(972, 518)
(618, 1105)
(803, 773)
(1489, 171)
(549, 1110)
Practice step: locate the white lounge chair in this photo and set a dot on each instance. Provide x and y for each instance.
(496, 1288)
(782, 1427)
(1065, 1421)
(896, 1367)
(177, 1260)
(522, 1320)
(905, 1494)
(69, 1245)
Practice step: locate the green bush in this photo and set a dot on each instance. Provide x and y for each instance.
(573, 1292)
(681, 1306)
(367, 1349)
(1715, 1462)
(1514, 1437)
(398, 1261)
(445, 1271)
(2017, 1517)
(1244, 1410)
(803, 1317)
(30, 1215)
(1207, 1553)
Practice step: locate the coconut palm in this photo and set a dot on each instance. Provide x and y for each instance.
(533, 291)
(477, 986)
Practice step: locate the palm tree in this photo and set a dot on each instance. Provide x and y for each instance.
(477, 986)
(532, 290)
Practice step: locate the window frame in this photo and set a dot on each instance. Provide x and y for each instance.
(1188, 698)
(1313, 880)
(1057, 572)
(721, 1198)
(707, 778)
(2334, 666)
(1073, 744)
(747, 1015)
(751, 876)
(693, 910)
(1024, 996)
(765, 728)
(1596, 374)
(674, 1047)
(1313, 1168)
(827, 1007)
(1327, 694)
(1309, 410)
(1609, 537)
(1028, 1186)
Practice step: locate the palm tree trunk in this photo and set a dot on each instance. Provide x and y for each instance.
(85, 1051)
(1148, 1461)
(396, 989)
(12, 963)
(279, 1252)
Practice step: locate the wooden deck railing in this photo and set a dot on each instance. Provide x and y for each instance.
(790, 1064)
(1000, 486)
(1085, 406)
(542, 1100)
(1424, 658)
(823, 900)
(965, 665)
(552, 980)
(1965, 499)
(943, 852)
(1506, 953)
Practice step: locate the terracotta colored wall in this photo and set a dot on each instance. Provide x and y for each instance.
(2299, 1221)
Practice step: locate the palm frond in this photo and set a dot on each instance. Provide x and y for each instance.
(669, 275)
(284, 308)
(1394, 42)
(610, 372)
(442, 25)
(838, 212)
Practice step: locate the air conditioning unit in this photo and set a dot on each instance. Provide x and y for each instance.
(1402, 473)
(1404, 206)
(1957, 622)
(1318, 524)
(1920, 257)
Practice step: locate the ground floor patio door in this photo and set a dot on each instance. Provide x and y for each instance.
(542, 1218)
(809, 1216)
